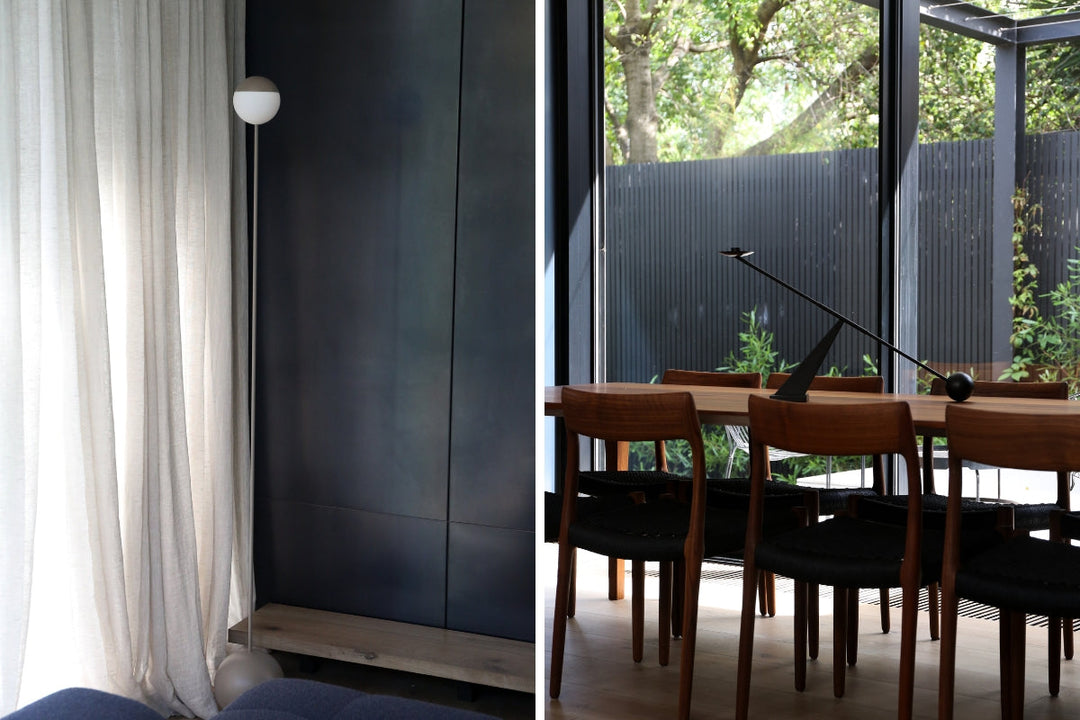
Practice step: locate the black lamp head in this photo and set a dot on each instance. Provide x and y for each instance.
(958, 386)
(736, 252)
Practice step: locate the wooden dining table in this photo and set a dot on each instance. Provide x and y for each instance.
(728, 406)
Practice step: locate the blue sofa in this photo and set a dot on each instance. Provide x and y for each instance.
(282, 699)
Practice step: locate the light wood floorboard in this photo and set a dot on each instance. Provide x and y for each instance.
(601, 681)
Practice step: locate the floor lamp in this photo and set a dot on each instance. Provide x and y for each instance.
(256, 101)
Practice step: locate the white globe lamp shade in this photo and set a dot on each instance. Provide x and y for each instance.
(242, 670)
(256, 100)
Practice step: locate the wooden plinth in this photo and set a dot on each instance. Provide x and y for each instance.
(478, 659)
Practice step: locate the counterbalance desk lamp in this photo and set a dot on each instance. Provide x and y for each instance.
(256, 101)
(958, 386)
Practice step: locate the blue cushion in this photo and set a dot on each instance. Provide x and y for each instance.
(84, 703)
(295, 699)
(282, 699)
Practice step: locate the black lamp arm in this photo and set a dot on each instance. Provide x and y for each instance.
(958, 385)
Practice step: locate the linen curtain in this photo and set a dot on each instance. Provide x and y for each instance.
(123, 348)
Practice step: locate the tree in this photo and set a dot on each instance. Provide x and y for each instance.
(678, 72)
(692, 79)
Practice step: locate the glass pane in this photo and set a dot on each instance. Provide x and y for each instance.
(738, 124)
(956, 173)
(974, 317)
(1048, 302)
(726, 127)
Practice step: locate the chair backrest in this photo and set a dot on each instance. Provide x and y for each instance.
(1021, 440)
(628, 417)
(849, 428)
(854, 428)
(989, 388)
(1005, 388)
(857, 383)
(712, 379)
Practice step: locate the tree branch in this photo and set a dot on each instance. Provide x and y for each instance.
(809, 118)
(621, 136)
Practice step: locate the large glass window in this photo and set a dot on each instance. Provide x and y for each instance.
(729, 125)
(738, 124)
(998, 172)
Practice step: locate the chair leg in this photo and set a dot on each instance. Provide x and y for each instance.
(1016, 669)
(886, 618)
(800, 636)
(947, 662)
(770, 585)
(909, 617)
(1012, 631)
(664, 622)
(1053, 655)
(746, 642)
(767, 593)
(853, 627)
(1067, 637)
(678, 581)
(840, 616)
(690, 612)
(637, 607)
(1004, 648)
(813, 613)
(616, 579)
(932, 598)
(558, 631)
(571, 601)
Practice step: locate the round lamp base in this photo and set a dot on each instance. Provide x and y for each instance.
(241, 671)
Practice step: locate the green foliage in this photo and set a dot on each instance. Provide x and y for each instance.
(1053, 87)
(756, 354)
(729, 77)
(956, 87)
(1044, 347)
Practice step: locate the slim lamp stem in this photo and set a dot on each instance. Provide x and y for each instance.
(251, 389)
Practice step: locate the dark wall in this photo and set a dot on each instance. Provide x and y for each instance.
(395, 348)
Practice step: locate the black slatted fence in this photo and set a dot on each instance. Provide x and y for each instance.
(811, 219)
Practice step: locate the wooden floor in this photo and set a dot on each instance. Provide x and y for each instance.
(600, 679)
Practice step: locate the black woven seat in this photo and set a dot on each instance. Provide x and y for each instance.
(586, 505)
(1069, 524)
(781, 500)
(656, 531)
(1033, 516)
(843, 552)
(615, 482)
(1027, 574)
(832, 501)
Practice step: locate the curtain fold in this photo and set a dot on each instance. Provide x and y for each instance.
(123, 312)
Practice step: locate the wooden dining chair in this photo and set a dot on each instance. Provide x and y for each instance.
(728, 492)
(832, 501)
(706, 378)
(1020, 574)
(1026, 516)
(870, 547)
(663, 530)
